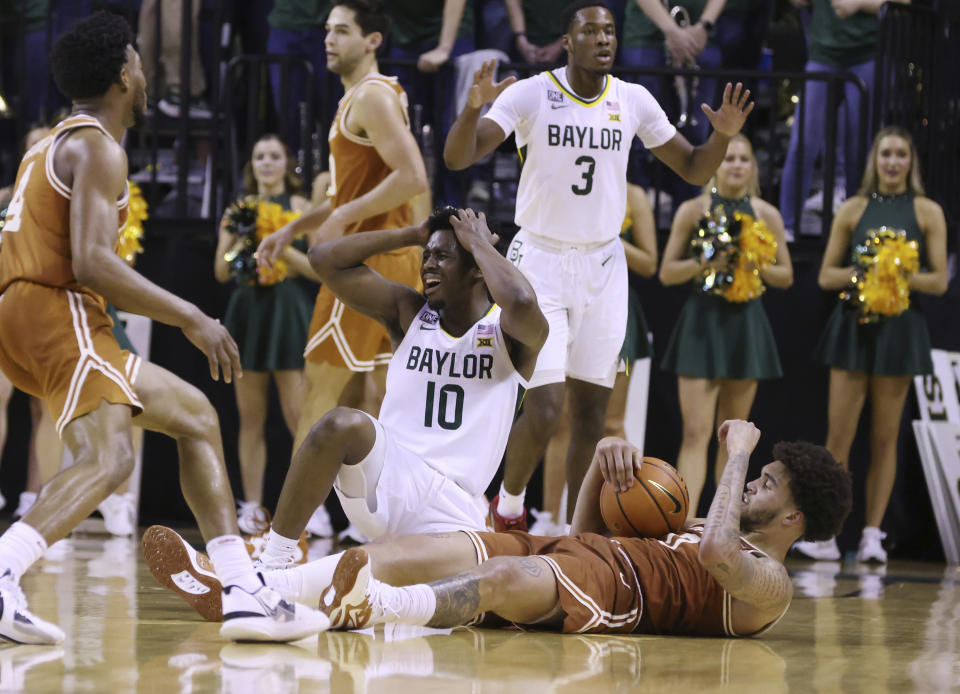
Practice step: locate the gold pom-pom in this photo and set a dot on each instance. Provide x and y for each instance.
(270, 218)
(750, 245)
(881, 286)
(128, 242)
(757, 250)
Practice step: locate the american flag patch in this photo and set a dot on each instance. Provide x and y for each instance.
(486, 330)
(613, 105)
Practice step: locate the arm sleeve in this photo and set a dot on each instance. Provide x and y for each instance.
(515, 108)
(653, 126)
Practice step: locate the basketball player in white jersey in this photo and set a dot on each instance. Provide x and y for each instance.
(452, 386)
(573, 127)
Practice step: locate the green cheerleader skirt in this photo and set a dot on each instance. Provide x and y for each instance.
(893, 346)
(636, 341)
(270, 325)
(715, 338)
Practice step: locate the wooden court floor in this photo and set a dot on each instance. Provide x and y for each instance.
(850, 629)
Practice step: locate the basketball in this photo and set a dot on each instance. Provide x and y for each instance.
(655, 505)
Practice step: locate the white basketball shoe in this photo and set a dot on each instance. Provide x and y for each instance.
(17, 623)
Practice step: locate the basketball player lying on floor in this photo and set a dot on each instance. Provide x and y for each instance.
(451, 395)
(724, 577)
(720, 577)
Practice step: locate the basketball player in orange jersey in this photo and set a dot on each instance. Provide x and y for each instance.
(56, 268)
(720, 577)
(376, 169)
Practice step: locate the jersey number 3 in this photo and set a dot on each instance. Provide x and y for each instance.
(587, 175)
(442, 406)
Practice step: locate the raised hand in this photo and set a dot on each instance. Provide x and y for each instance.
(211, 338)
(733, 112)
(739, 435)
(484, 89)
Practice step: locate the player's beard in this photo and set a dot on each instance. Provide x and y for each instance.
(753, 519)
(139, 109)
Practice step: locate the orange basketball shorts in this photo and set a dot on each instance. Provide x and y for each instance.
(58, 345)
(598, 588)
(342, 337)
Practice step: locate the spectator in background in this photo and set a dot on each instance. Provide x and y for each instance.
(842, 37)
(537, 29)
(296, 29)
(433, 32)
(653, 38)
(268, 319)
(165, 77)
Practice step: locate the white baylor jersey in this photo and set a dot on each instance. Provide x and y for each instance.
(451, 400)
(573, 185)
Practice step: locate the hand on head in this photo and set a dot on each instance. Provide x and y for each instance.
(471, 227)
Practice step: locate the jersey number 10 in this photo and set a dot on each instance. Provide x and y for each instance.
(442, 402)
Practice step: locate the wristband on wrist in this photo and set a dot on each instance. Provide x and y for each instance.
(706, 25)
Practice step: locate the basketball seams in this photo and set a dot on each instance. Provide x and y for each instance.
(674, 475)
(624, 515)
(666, 522)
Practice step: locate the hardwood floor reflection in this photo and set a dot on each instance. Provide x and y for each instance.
(850, 629)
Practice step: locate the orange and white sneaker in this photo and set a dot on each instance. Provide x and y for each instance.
(347, 601)
(179, 567)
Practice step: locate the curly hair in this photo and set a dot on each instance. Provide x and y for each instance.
(819, 485)
(88, 58)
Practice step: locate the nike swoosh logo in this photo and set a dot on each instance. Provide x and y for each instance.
(424, 327)
(674, 499)
(555, 106)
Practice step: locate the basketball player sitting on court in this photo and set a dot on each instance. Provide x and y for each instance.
(721, 577)
(451, 395)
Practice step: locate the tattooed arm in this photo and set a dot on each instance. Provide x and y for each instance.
(755, 579)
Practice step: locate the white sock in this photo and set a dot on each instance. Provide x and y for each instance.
(231, 562)
(278, 550)
(287, 582)
(307, 581)
(20, 547)
(412, 604)
(510, 505)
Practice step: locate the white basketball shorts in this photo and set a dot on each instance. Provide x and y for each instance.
(403, 494)
(582, 291)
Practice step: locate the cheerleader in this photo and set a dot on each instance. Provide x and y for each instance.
(719, 348)
(877, 353)
(267, 316)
